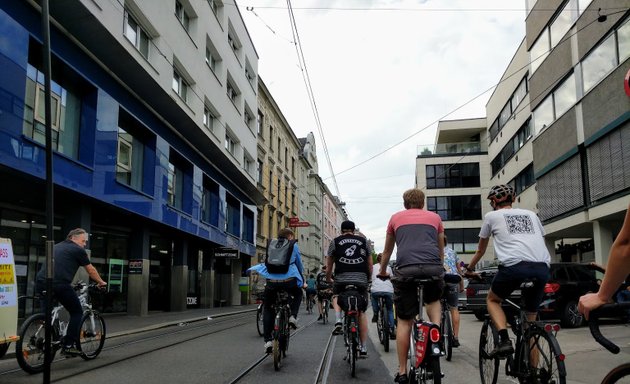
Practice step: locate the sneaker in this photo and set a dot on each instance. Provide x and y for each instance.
(338, 329)
(504, 349)
(268, 346)
(392, 334)
(70, 351)
(374, 319)
(320, 317)
(401, 379)
(363, 351)
(455, 342)
(293, 322)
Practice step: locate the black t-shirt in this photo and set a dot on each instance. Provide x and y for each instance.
(321, 281)
(350, 253)
(67, 257)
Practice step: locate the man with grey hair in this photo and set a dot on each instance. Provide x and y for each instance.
(68, 256)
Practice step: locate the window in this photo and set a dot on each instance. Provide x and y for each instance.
(463, 240)
(599, 63)
(247, 117)
(259, 166)
(279, 147)
(130, 154)
(230, 144)
(523, 180)
(519, 94)
(286, 158)
(210, 60)
(259, 124)
(563, 22)
(67, 98)
(233, 216)
(539, 50)
(623, 39)
(249, 74)
(215, 6)
(210, 202)
(180, 86)
(456, 207)
(175, 186)
(248, 164)
(136, 35)
(543, 115)
(248, 226)
(453, 175)
(182, 15)
(233, 43)
(271, 138)
(208, 119)
(565, 96)
(232, 93)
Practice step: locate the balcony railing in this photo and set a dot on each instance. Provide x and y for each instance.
(452, 149)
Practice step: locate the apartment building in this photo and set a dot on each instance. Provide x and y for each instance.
(280, 173)
(454, 175)
(154, 140)
(578, 53)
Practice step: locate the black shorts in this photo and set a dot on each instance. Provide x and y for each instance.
(406, 293)
(510, 278)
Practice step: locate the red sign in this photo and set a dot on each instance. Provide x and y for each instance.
(300, 224)
(294, 219)
(626, 83)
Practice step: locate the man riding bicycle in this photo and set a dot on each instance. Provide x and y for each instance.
(452, 288)
(351, 256)
(68, 256)
(519, 245)
(292, 282)
(419, 237)
(323, 291)
(384, 289)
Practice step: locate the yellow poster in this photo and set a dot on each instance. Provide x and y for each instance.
(8, 293)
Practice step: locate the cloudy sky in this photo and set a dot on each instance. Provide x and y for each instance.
(383, 73)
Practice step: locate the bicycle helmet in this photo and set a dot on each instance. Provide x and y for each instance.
(501, 193)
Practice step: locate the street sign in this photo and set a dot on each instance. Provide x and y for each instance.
(293, 220)
(300, 224)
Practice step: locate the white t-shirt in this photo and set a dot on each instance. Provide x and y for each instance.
(518, 236)
(379, 285)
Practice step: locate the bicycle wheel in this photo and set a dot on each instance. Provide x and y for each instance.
(354, 351)
(259, 319)
(488, 367)
(385, 326)
(29, 349)
(287, 334)
(431, 372)
(447, 334)
(542, 354)
(91, 335)
(277, 346)
(620, 374)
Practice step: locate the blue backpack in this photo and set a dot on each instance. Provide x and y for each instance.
(278, 257)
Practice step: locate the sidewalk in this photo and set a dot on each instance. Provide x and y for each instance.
(118, 324)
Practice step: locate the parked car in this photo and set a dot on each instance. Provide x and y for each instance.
(567, 283)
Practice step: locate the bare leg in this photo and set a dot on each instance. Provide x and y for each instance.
(403, 333)
(434, 311)
(497, 315)
(455, 317)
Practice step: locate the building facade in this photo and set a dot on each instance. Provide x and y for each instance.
(579, 57)
(154, 140)
(454, 174)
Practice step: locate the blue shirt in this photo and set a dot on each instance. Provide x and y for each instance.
(295, 269)
(450, 261)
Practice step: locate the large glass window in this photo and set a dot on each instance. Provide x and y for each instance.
(599, 63)
(543, 115)
(210, 202)
(453, 175)
(524, 179)
(563, 22)
(182, 15)
(233, 216)
(565, 96)
(130, 154)
(463, 240)
(180, 85)
(248, 226)
(539, 50)
(456, 207)
(623, 39)
(177, 187)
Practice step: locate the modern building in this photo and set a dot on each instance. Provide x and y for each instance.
(154, 140)
(454, 175)
(580, 101)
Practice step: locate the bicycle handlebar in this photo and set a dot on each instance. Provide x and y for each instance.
(593, 323)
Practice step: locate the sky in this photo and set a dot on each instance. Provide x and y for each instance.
(382, 74)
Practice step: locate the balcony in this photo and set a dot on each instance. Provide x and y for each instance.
(450, 149)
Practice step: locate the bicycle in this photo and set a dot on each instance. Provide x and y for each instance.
(310, 298)
(622, 371)
(446, 321)
(259, 312)
(424, 349)
(537, 357)
(281, 331)
(324, 296)
(349, 302)
(29, 349)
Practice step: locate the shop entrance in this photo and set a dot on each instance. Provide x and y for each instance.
(161, 262)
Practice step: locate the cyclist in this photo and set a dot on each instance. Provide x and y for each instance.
(323, 290)
(419, 237)
(452, 289)
(310, 288)
(617, 269)
(350, 255)
(519, 245)
(384, 289)
(292, 282)
(68, 256)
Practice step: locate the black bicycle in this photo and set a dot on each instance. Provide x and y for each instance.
(610, 310)
(382, 323)
(424, 345)
(260, 296)
(281, 331)
(325, 296)
(537, 357)
(350, 302)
